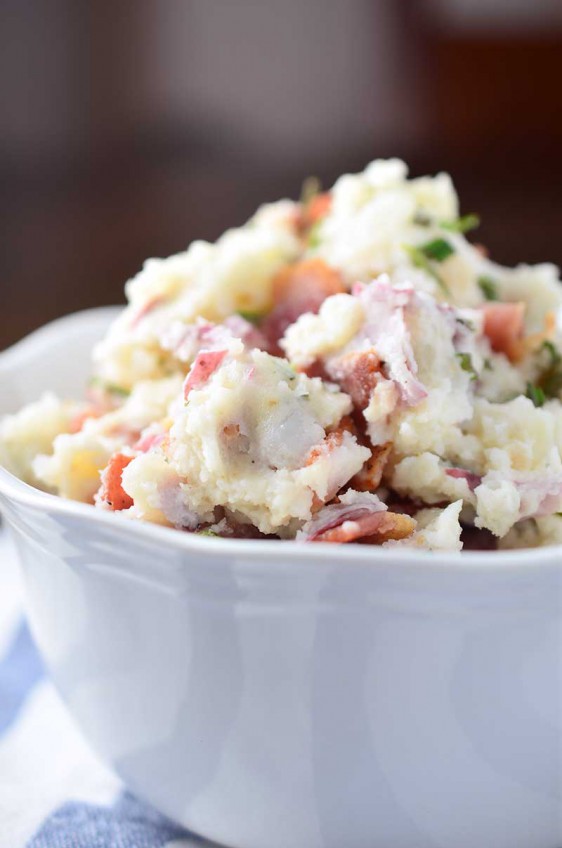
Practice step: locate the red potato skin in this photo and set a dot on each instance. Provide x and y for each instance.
(111, 493)
(205, 364)
(145, 310)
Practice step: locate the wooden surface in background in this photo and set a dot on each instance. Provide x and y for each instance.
(73, 234)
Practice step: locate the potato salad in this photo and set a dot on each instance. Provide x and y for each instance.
(348, 368)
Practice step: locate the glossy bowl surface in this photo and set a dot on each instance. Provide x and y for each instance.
(282, 695)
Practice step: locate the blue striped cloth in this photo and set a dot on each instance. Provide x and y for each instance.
(54, 792)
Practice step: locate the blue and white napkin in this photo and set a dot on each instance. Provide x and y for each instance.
(54, 792)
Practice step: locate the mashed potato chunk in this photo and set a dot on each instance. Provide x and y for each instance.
(346, 368)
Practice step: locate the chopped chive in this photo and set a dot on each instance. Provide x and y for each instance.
(314, 239)
(536, 394)
(488, 288)
(419, 260)
(465, 361)
(310, 188)
(550, 379)
(464, 224)
(438, 249)
(206, 532)
(554, 355)
(251, 317)
(488, 365)
(110, 388)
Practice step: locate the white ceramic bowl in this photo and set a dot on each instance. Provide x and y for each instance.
(279, 695)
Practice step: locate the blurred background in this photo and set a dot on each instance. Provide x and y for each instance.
(131, 127)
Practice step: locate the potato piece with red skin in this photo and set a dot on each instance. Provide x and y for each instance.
(206, 363)
(111, 493)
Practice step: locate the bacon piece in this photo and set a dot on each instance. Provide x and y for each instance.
(299, 288)
(473, 480)
(503, 324)
(357, 374)
(375, 528)
(205, 364)
(111, 493)
(332, 440)
(370, 476)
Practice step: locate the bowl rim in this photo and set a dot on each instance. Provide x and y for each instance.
(272, 550)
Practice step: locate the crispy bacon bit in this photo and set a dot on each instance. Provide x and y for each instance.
(111, 493)
(375, 528)
(313, 211)
(370, 476)
(358, 374)
(332, 441)
(205, 364)
(299, 288)
(145, 310)
(504, 326)
(473, 480)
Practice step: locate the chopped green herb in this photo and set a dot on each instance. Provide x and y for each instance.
(252, 317)
(488, 288)
(536, 394)
(465, 361)
(311, 187)
(462, 225)
(206, 532)
(488, 365)
(420, 260)
(468, 324)
(110, 388)
(550, 379)
(437, 249)
(314, 238)
(555, 357)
